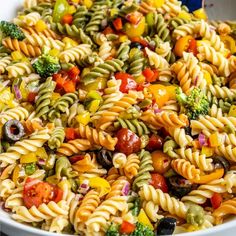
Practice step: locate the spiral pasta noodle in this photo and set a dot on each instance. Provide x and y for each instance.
(14, 152)
(19, 69)
(57, 138)
(131, 166)
(4, 62)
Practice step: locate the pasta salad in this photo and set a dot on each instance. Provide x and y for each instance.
(117, 117)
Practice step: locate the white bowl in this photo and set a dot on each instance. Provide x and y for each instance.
(218, 11)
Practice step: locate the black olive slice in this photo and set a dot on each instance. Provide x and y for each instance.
(180, 186)
(166, 226)
(13, 131)
(221, 162)
(104, 158)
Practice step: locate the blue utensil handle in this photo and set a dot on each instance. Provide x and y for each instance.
(193, 5)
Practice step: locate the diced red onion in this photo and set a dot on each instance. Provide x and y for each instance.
(17, 92)
(125, 189)
(157, 110)
(202, 140)
(195, 80)
(41, 162)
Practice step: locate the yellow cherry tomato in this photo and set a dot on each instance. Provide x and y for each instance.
(215, 139)
(182, 45)
(171, 90)
(160, 92)
(135, 30)
(217, 174)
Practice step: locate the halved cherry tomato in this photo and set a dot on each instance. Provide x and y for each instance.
(159, 182)
(160, 93)
(193, 47)
(69, 86)
(73, 72)
(36, 192)
(216, 200)
(127, 82)
(70, 133)
(128, 142)
(155, 142)
(161, 161)
(31, 96)
(67, 19)
(127, 228)
(182, 45)
(118, 24)
(134, 17)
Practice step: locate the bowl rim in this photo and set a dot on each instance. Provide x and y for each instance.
(30, 229)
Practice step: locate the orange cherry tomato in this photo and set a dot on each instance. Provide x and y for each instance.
(182, 45)
(161, 161)
(67, 19)
(160, 93)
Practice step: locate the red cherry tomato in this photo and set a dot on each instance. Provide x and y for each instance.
(118, 24)
(150, 75)
(127, 82)
(127, 228)
(36, 192)
(128, 142)
(193, 47)
(216, 200)
(159, 182)
(155, 142)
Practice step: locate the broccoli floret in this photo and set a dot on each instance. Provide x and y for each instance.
(113, 230)
(46, 65)
(142, 230)
(11, 30)
(195, 104)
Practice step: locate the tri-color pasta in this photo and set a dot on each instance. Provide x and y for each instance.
(117, 117)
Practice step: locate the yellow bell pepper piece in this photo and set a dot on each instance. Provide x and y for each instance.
(200, 13)
(24, 91)
(207, 77)
(143, 219)
(71, 9)
(17, 56)
(99, 83)
(41, 153)
(88, 3)
(208, 151)
(17, 173)
(94, 105)
(156, 3)
(40, 26)
(171, 91)
(184, 15)
(28, 158)
(75, 1)
(83, 118)
(113, 11)
(100, 184)
(232, 110)
(215, 139)
(54, 98)
(6, 98)
(140, 79)
(217, 174)
(229, 42)
(123, 38)
(135, 30)
(54, 52)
